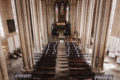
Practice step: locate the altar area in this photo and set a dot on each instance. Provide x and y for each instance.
(61, 26)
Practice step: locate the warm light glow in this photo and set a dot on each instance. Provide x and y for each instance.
(1, 27)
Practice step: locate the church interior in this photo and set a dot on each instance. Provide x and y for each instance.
(59, 40)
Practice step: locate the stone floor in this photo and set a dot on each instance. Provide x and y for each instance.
(110, 68)
(61, 63)
(14, 67)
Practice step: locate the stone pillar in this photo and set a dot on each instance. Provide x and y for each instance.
(81, 13)
(90, 9)
(73, 10)
(3, 66)
(78, 16)
(86, 23)
(111, 19)
(22, 8)
(41, 22)
(35, 24)
(78, 20)
(1, 75)
(48, 18)
(100, 34)
(83, 23)
(45, 21)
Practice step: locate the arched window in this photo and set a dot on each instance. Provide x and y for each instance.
(56, 12)
(67, 13)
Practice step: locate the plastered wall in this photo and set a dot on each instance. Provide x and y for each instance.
(6, 14)
(116, 21)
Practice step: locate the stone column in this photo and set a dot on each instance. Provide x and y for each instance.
(41, 22)
(78, 16)
(22, 8)
(45, 21)
(81, 13)
(38, 13)
(49, 20)
(90, 9)
(86, 19)
(1, 75)
(3, 66)
(73, 15)
(35, 25)
(50, 16)
(83, 23)
(78, 20)
(111, 19)
(100, 34)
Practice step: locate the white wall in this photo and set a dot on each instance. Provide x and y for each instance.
(113, 43)
(10, 41)
(13, 43)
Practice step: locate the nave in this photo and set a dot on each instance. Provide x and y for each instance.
(61, 61)
(33, 25)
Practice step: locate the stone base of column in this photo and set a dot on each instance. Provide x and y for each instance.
(26, 71)
(98, 72)
(86, 50)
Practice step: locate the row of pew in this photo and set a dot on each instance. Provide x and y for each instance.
(79, 69)
(66, 29)
(45, 66)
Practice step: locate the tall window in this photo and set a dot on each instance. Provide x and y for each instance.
(57, 12)
(67, 13)
(1, 27)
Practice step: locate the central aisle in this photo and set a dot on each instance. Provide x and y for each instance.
(62, 71)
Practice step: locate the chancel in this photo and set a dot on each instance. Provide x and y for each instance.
(59, 40)
(61, 25)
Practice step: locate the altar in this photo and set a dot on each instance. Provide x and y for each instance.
(61, 25)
